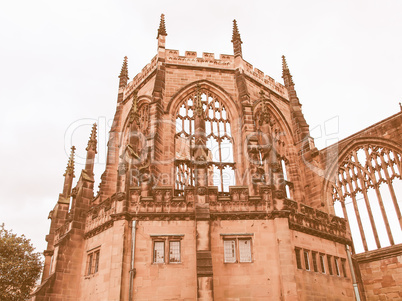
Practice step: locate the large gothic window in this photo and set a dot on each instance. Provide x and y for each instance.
(219, 141)
(366, 189)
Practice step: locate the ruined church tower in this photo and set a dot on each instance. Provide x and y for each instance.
(213, 190)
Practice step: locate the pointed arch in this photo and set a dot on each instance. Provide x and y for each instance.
(360, 182)
(278, 115)
(232, 106)
(216, 130)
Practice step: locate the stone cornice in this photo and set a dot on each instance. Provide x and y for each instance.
(99, 229)
(379, 254)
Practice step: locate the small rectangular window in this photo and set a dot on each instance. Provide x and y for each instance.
(343, 262)
(322, 263)
(229, 250)
(96, 262)
(329, 260)
(159, 252)
(166, 248)
(93, 261)
(298, 259)
(89, 265)
(315, 266)
(174, 251)
(306, 260)
(245, 250)
(338, 272)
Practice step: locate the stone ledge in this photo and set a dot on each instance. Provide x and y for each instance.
(47, 283)
(378, 254)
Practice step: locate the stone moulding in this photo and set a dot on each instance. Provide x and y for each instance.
(62, 231)
(145, 72)
(237, 204)
(155, 216)
(318, 228)
(379, 254)
(47, 283)
(99, 229)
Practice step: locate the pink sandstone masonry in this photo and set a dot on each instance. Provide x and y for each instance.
(214, 190)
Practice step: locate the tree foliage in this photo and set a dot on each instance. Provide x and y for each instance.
(20, 266)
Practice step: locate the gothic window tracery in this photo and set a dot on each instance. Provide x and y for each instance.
(365, 191)
(218, 138)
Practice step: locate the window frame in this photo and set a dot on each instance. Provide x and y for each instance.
(155, 250)
(337, 268)
(315, 264)
(306, 257)
(167, 239)
(330, 269)
(170, 250)
(218, 127)
(92, 263)
(322, 263)
(236, 238)
(298, 258)
(343, 264)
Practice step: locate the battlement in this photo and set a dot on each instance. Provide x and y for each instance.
(207, 60)
(259, 76)
(148, 69)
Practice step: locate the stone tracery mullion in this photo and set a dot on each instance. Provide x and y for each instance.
(379, 197)
(212, 127)
(366, 200)
(357, 213)
(392, 192)
(380, 165)
(397, 162)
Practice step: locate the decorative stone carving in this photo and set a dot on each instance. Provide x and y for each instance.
(280, 194)
(201, 190)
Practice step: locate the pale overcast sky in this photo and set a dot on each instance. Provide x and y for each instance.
(60, 61)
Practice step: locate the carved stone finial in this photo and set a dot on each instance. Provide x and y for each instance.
(123, 74)
(124, 69)
(134, 116)
(162, 27)
(284, 63)
(70, 164)
(287, 77)
(236, 34)
(92, 140)
(236, 40)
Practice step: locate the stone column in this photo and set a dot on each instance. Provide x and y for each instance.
(202, 213)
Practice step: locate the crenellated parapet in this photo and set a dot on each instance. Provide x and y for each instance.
(264, 79)
(207, 60)
(140, 77)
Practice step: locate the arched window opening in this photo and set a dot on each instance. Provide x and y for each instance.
(287, 183)
(365, 191)
(219, 141)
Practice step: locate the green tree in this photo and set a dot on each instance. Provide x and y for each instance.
(20, 266)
